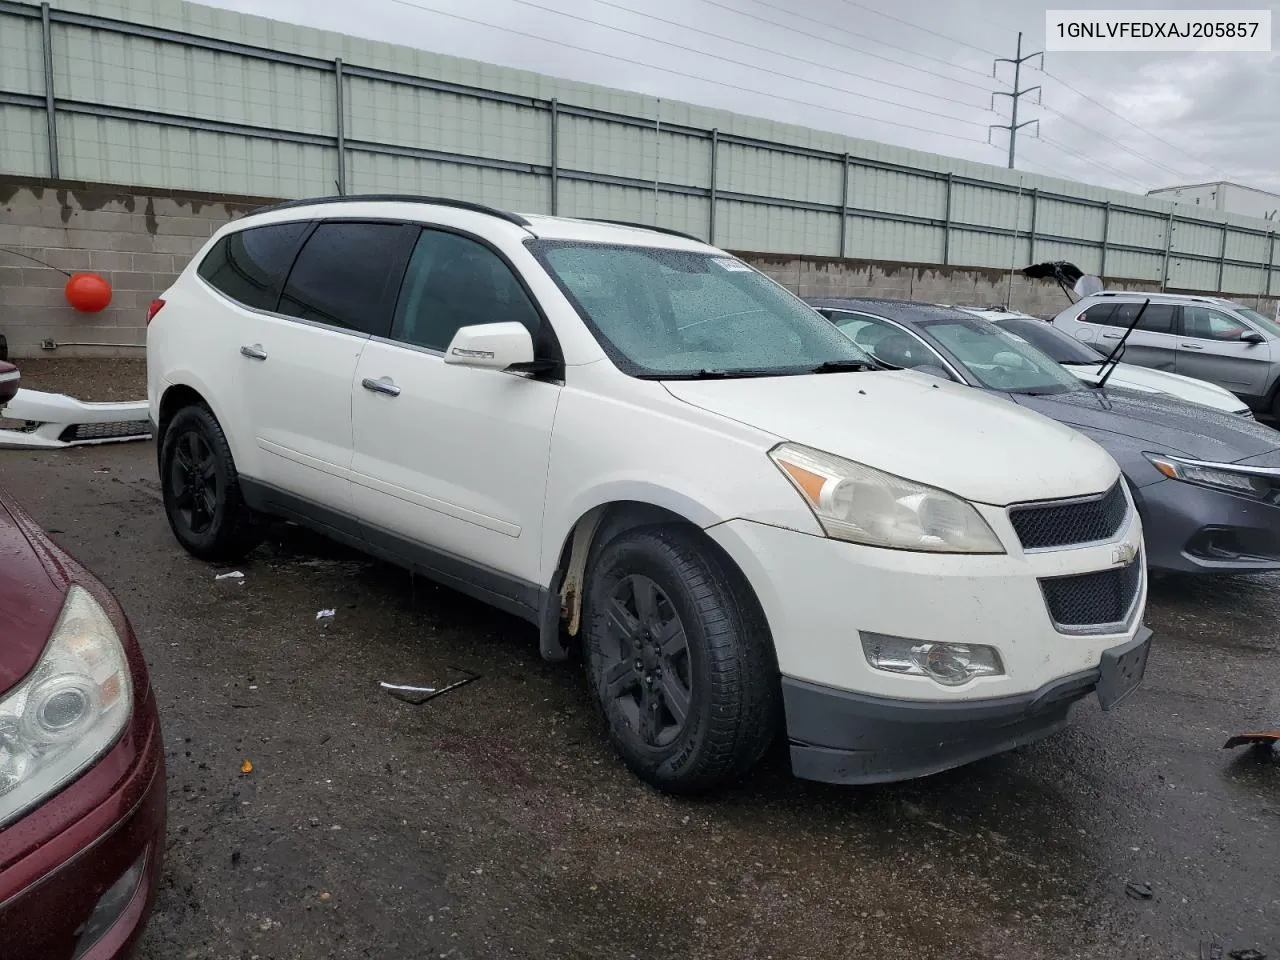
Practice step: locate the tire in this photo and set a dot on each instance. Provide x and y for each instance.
(205, 508)
(717, 697)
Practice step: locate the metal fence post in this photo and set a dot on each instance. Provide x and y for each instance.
(50, 106)
(946, 223)
(341, 125)
(1106, 230)
(1271, 258)
(844, 206)
(555, 157)
(1222, 258)
(1031, 237)
(1168, 244)
(711, 212)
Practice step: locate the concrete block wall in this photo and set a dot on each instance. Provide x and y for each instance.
(139, 239)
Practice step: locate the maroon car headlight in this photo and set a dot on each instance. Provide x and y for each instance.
(68, 711)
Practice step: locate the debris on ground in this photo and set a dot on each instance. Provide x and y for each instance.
(1139, 891)
(232, 575)
(417, 696)
(246, 767)
(326, 614)
(1263, 738)
(1247, 954)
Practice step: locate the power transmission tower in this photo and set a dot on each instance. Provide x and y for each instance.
(1013, 126)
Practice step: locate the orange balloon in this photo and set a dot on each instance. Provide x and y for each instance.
(88, 292)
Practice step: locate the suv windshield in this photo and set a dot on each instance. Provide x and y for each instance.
(1266, 323)
(680, 314)
(998, 359)
(1051, 341)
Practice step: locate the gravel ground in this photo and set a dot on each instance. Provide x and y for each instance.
(494, 821)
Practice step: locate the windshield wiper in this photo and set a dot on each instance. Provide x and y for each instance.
(841, 366)
(725, 373)
(1113, 358)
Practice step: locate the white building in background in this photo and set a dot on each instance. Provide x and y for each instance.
(1224, 196)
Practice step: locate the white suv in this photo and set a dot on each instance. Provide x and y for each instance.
(661, 457)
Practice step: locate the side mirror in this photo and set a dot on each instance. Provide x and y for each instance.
(491, 346)
(1252, 336)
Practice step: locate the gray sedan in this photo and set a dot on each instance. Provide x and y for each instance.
(1207, 484)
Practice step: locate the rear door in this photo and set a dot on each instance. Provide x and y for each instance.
(1153, 343)
(1088, 324)
(300, 362)
(1210, 349)
(450, 468)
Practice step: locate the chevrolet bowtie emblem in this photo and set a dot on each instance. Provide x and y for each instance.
(1123, 555)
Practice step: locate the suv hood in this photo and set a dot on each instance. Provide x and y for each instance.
(977, 446)
(30, 602)
(1166, 425)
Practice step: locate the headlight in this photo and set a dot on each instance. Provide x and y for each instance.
(856, 503)
(68, 712)
(1218, 476)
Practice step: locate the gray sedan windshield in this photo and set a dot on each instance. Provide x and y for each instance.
(676, 313)
(999, 360)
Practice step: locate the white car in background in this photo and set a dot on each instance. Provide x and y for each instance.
(1088, 364)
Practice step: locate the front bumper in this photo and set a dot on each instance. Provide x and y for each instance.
(1193, 529)
(820, 595)
(74, 879)
(848, 738)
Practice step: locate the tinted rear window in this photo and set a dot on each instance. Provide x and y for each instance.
(1098, 313)
(347, 274)
(249, 266)
(1157, 318)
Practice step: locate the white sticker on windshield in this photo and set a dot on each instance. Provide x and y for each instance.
(728, 263)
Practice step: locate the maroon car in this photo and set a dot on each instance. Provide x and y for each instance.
(82, 780)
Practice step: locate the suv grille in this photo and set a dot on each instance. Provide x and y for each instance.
(1088, 601)
(1044, 526)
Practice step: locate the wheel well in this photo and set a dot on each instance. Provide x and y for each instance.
(593, 531)
(174, 399)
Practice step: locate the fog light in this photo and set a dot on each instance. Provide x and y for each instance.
(950, 664)
(109, 907)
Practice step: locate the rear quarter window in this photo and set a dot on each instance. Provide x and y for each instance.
(1098, 313)
(249, 265)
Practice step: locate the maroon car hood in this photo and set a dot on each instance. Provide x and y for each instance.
(30, 600)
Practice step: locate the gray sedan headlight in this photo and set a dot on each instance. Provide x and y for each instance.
(68, 712)
(1219, 476)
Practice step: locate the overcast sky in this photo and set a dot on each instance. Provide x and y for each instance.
(917, 74)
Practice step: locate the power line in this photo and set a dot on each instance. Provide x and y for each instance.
(1092, 161)
(786, 56)
(681, 73)
(1120, 116)
(744, 63)
(866, 53)
(916, 26)
(1112, 140)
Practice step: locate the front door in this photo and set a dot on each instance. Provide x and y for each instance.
(1210, 349)
(450, 465)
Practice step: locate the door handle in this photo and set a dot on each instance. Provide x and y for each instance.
(1112, 336)
(254, 352)
(1190, 346)
(381, 385)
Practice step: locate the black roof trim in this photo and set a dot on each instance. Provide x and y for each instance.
(507, 215)
(646, 226)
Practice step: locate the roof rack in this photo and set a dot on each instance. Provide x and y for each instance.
(510, 217)
(646, 226)
(1199, 297)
